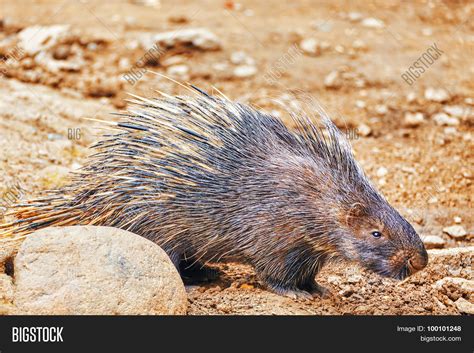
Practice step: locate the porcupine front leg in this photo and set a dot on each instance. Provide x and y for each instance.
(294, 275)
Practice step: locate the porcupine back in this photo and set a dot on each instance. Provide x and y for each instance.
(207, 179)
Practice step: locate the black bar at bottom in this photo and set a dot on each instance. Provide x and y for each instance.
(205, 333)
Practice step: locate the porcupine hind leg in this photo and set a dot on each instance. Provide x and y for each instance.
(195, 272)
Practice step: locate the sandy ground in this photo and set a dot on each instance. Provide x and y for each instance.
(414, 140)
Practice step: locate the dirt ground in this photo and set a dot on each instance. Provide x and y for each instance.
(414, 139)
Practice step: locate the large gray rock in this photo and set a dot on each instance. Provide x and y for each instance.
(95, 270)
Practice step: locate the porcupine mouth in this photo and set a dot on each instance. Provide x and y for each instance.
(406, 270)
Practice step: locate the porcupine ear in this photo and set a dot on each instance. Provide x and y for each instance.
(355, 214)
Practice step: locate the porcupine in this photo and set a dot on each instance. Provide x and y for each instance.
(210, 180)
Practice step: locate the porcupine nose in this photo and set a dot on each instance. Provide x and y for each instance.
(418, 261)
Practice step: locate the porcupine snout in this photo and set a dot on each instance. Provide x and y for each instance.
(418, 260)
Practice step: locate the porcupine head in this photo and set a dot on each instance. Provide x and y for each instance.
(365, 227)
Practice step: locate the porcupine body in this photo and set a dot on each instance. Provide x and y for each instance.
(210, 180)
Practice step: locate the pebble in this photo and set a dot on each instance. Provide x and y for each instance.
(411, 97)
(354, 16)
(457, 219)
(433, 242)
(243, 71)
(381, 109)
(200, 38)
(178, 71)
(34, 39)
(456, 231)
(381, 172)
(310, 46)
(372, 22)
(364, 130)
(464, 306)
(439, 95)
(413, 119)
(456, 110)
(360, 104)
(241, 58)
(359, 44)
(452, 251)
(333, 80)
(445, 120)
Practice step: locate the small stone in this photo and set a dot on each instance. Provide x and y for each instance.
(359, 44)
(34, 39)
(413, 119)
(451, 251)
(464, 306)
(95, 271)
(199, 38)
(411, 97)
(333, 80)
(427, 32)
(62, 52)
(364, 130)
(457, 219)
(439, 95)
(433, 242)
(360, 104)
(445, 120)
(456, 232)
(465, 286)
(178, 71)
(241, 58)
(354, 16)
(244, 71)
(310, 46)
(381, 109)
(372, 22)
(450, 130)
(381, 172)
(456, 110)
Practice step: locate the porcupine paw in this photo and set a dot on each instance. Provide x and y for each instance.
(197, 273)
(293, 293)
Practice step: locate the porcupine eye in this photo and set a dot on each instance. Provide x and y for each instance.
(376, 234)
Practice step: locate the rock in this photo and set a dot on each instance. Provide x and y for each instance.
(457, 219)
(372, 22)
(95, 271)
(465, 286)
(354, 16)
(439, 95)
(456, 231)
(333, 80)
(445, 120)
(244, 71)
(364, 130)
(241, 58)
(360, 104)
(199, 38)
(451, 251)
(34, 39)
(456, 110)
(180, 71)
(381, 109)
(48, 62)
(310, 46)
(359, 44)
(381, 172)
(413, 119)
(464, 306)
(433, 242)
